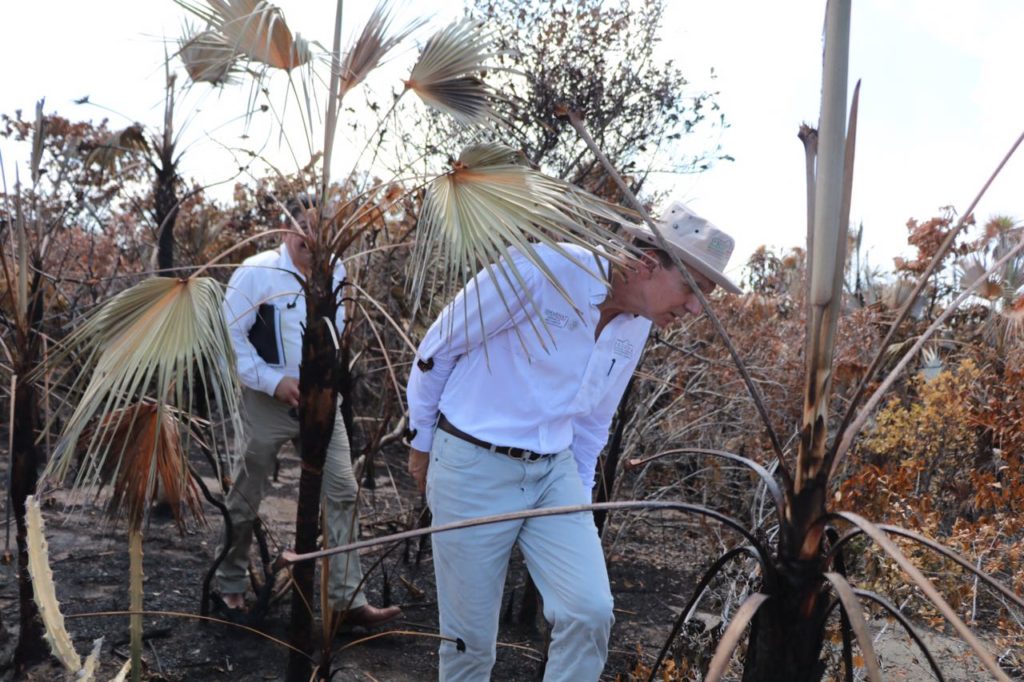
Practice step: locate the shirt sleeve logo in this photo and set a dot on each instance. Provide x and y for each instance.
(624, 348)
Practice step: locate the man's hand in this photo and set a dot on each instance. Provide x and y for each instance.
(287, 391)
(418, 463)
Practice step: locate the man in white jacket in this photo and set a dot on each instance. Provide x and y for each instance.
(266, 310)
(510, 403)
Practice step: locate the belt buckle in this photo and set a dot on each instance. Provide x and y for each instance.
(527, 455)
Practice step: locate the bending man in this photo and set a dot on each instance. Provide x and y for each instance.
(513, 402)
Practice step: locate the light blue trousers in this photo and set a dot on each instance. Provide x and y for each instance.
(563, 554)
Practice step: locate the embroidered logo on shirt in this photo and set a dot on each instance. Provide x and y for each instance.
(624, 348)
(555, 318)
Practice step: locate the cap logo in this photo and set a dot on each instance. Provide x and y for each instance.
(720, 246)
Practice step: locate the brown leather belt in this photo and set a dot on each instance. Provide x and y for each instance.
(514, 453)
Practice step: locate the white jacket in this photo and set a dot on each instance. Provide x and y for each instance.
(270, 279)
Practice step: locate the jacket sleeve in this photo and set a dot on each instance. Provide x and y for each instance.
(240, 306)
(490, 303)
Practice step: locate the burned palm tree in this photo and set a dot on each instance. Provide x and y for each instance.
(21, 261)
(141, 360)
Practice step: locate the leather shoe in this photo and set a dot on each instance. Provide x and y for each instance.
(367, 616)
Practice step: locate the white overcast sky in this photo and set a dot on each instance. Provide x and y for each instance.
(942, 97)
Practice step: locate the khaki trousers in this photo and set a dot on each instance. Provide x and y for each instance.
(268, 426)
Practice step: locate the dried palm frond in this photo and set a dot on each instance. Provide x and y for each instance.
(972, 271)
(447, 74)
(163, 339)
(372, 45)
(208, 57)
(107, 154)
(255, 29)
(491, 201)
(149, 462)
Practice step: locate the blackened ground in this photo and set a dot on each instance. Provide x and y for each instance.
(654, 561)
(648, 570)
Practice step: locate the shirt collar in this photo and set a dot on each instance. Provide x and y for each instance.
(598, 289)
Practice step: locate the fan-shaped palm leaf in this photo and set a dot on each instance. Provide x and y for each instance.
(447, 74)
(972, 274)
(162, 339)
(254, 28)
(491, 201)
(208, 57)
(372, 45)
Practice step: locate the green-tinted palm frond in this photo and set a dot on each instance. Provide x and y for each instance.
(372, 46)
(447, 74)
(161, 342)
(492, 201)
(107, 154)
(253, 28)
(208, 57)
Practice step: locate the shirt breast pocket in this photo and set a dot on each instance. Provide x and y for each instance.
(623, 357)
(265, 334)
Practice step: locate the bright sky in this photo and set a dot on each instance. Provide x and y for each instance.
(941, 102)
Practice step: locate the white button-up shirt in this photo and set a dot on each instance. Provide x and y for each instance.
(270, 278)
(542, 387)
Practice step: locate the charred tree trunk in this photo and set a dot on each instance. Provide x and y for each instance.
(25, 461)
(317, 406)
(787, 634)
(26, 458)
(165, 212)
(165, 189)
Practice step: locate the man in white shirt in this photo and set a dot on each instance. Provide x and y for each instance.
(510, 402)
(266, 310)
